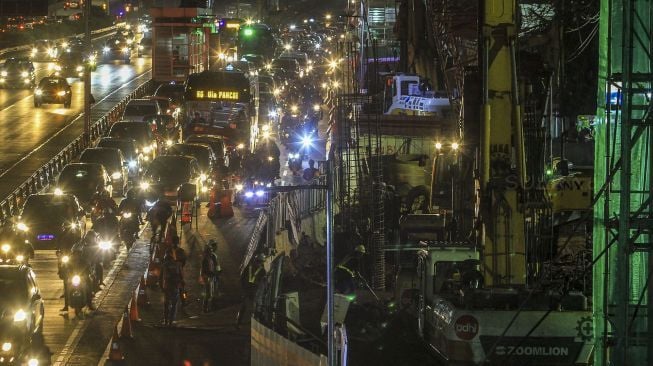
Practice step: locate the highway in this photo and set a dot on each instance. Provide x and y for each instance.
(40, 133)
(32, 136)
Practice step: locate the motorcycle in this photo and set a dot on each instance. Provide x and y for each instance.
(128, 229)
(78, 292)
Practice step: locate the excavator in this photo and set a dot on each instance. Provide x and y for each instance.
(472, 296)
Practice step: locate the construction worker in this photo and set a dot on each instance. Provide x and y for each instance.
(209, 274)
(348, 270)
(249, 283)
(172, 281)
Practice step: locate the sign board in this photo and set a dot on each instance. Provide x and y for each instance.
(27, 8)
(533, 350)
(217, 95)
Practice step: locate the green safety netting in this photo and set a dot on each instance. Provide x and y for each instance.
(605, 289)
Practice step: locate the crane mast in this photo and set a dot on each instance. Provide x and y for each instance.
(501, 163)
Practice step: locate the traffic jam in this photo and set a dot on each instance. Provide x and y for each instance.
(229, 135)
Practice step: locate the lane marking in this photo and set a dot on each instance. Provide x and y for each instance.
(68, 125)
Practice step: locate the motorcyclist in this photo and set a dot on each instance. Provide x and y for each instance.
(77, 264)
(158, 216)
(130, 204)
(101, 201)
(107, 224)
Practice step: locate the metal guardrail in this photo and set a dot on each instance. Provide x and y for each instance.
(47, 173)
(28, 47)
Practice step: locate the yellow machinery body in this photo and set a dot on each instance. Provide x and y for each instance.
(502, 164)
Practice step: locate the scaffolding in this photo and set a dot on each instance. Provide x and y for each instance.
(623, 215)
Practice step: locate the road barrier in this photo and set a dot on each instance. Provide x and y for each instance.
(47, 173)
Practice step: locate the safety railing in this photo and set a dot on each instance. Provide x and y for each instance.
(24, 48)
(47, 173)
(295, 205)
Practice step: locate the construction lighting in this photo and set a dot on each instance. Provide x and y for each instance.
(438, 145)
(266, 134)
(294, 109)
(287, 47)
(292, 27)
(316, 107)
(222, 56)
(328, 17)
(336, 84)
(240, 146)
(58, 192)
(455, 146)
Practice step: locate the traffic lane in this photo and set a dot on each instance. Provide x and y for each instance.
(199, 337)
(27, 127)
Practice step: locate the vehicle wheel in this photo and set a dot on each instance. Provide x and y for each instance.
(127, 61)
(37, 104)
(66, 104)
(79, 313)
(39, 330)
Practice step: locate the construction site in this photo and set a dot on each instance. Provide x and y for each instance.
(487, 190)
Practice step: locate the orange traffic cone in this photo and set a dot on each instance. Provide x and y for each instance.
(126, 330)
(142, 299)
(115, 353)
(133, 310)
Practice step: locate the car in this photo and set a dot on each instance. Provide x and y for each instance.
(23, 311)
(72, 65)
(128, 148)
(53, 89)
(51, 220)
(113, 161)
(286, 68)
(142, 134)
(17, 73)
(82, 180)
(216, 143)
(203, 154)
(44, 50)
(173, 91)
(138, 109)
(145, 46)
(116, 48)
(167, 173)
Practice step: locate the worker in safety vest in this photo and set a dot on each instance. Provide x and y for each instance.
(249, 282)
(348, 270)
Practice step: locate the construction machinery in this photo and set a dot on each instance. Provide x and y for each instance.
(473, 295)
(409, 97)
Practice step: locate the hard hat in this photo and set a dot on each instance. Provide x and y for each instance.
(360, 249)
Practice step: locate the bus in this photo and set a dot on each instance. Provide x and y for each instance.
(227, 38)
(223, 103)
(256, 39)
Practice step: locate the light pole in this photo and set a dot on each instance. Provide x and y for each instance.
(87, 77)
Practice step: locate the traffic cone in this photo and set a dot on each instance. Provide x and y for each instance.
(126, 330)
(211, 205)
(142, 299)
(133, 309)
(115, 353)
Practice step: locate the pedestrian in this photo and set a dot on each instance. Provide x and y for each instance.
(249, 281)
(171, 284)
(208, 275)
(311, 172)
